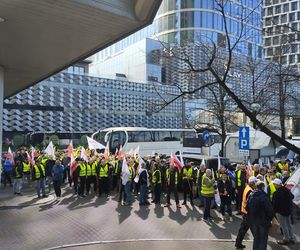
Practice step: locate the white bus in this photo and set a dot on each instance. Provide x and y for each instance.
(150, 141)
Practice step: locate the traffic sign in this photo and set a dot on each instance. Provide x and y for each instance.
(205, 135)
(244, 141)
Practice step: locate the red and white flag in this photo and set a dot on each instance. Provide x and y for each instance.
(249, 169)
(174, 161)
(50, 150)
(120, 153)
(83, 154)
(73, 165)
(106, 151)
(10, 156)
(70, 149)
(94, 144)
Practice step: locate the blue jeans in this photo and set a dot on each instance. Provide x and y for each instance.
(207, 205)
(285, 224)
(40, 184)
(128, 192)
(143, 193)
(260, 234)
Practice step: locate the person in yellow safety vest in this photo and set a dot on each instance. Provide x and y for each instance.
(241, 181)
(156, 183)
(89, 176)
(81, 172)
(39, 176)
(187, 181)
(102, 174)
(18, 173)
(283, 165)
(116, 174)
(244, 227)
(200, 173)
(26, 171)
(208, 188)
(271, 188)
(128, 185)
(172, 177)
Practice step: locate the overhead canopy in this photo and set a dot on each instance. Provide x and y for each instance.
(41, 37)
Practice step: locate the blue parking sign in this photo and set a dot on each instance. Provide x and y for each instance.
(244, 142)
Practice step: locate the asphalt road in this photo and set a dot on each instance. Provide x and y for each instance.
(102, 223)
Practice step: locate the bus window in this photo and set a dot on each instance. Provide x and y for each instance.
(163, 136)
(189, 134)
(176, 135)
(117, 138)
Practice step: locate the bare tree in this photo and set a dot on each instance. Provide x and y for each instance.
(218, 60)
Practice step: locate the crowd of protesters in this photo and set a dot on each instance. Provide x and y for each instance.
(258, 192)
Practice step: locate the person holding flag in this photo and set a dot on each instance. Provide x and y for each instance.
(39, 176)
(143, 182)
(241, 181)
(102, 171)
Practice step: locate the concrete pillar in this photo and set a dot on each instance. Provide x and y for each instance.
(1, 114)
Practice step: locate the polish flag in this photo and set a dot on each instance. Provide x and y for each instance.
(120, 153)
(249, 169)
(106, 151)
(174, 161)
(10, 156)
(70, 149)
(94, 144)
(83, 154)
(50, 150)
(73, 165)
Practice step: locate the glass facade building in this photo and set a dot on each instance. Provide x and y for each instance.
(187, 21)
(281, 31)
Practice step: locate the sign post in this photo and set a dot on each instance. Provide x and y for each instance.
(206, 138)
(244, 140)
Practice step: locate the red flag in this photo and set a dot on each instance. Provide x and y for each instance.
(70, 149)
(249, 169)
(106, 151)
(73, 165)
(120, 154)
(176, 162)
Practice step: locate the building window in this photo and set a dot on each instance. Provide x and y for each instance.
(294, 48)
(269, 52)
(292, 17)
(270, 11)
(277, 9)
(284, 18)
(286, 7)
(276, 40)
(292, 59)
(294, 6)
(268, 41)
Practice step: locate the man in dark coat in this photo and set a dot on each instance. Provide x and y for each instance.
(259, 214)
(282, 204)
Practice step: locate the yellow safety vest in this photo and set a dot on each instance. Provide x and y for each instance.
(131, 174)
(188, 173)
(239, 181)
(168, 176)
(94, 165)
(272, 190)
(205, 190)
(26, 167)
(88, 170)
(37, 171)
(18, 174)
(154, 177)
(82, 170)
(116, 170)
(103, 171)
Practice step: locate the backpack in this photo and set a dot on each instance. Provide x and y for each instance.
(7, 166)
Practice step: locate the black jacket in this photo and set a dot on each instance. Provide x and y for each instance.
(143, 177)
(222, 186)
(283, 201)
(259, 209)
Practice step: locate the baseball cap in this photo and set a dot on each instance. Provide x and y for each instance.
(277, 181)
(252, 179)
